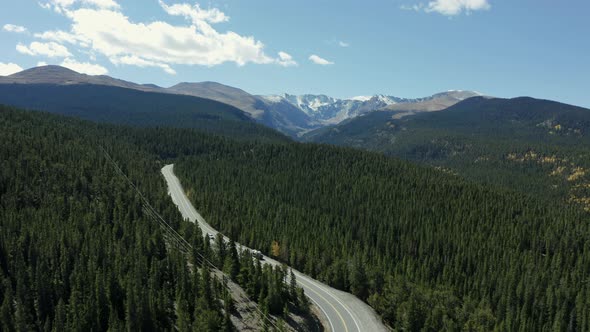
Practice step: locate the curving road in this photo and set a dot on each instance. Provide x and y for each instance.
(343, 311)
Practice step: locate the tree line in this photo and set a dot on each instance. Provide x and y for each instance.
(426, 249)
(77, 250)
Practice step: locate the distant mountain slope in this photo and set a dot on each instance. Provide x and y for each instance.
(537, 146)
(433, 103)
(64, 76)
(522, 111)
(222, 93)
(325, 110)
(293, 115)
(281, 116)
(524, 117)
(112, 104)
(285, 118)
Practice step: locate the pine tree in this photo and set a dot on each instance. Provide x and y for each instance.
(6, 311)
(293, 287)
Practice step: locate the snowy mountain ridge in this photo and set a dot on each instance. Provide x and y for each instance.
(326, 110)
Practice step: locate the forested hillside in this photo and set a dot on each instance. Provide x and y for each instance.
(80, 251)
(118, 105)
(535, 146)
(77, 249)
(429, 251)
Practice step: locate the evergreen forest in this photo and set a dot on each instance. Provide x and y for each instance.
(80, 251)
(428, 250)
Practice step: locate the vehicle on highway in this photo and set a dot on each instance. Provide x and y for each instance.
(258, 255)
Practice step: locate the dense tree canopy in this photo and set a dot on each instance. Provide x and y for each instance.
(427, 249)
(534, 146)
(109, 104)
(424, 248)
(77, 250)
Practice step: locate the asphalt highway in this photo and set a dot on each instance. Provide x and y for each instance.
(343, 311)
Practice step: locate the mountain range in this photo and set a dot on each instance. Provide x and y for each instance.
(481, 227)
(293, 115)
(105, 99)
(326, 110)
(534, 145)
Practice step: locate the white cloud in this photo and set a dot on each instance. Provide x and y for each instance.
(319, 61)
(139, 62)
(14, 28)
(455, 7)
(58, 5)
(51, 49)
(62, 37)
(61, 3)
(84, 67)
(417, 7)
(41, 63)
(112, 34)
(286, 60)
(102, 29)
(62, 6)
(9, 68)
(104, 4)
(195, 13)
(343, 44)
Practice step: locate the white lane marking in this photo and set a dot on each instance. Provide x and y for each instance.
(184, 204)
(190, 210)
(319, 285)
(324, 311)
(331, 305)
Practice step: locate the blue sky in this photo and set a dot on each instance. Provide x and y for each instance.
(406, 48)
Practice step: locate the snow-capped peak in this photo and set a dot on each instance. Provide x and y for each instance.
(461, 94)
(273, 98)
(360, 98)
(327, 110)
(385, 99)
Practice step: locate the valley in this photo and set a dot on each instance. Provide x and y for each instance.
(409, 232)
(294, 166)
(342, 311)
(534, 146)
(291, 115)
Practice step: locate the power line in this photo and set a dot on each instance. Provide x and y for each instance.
(180, 242)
